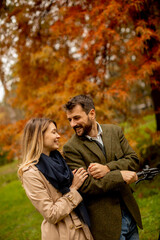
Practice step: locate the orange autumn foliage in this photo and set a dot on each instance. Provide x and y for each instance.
(107, 49)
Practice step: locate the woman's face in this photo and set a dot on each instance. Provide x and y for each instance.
(50, 139)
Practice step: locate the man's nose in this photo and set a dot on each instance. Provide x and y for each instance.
(73, 123)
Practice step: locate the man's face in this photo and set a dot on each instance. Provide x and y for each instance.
(80, 121)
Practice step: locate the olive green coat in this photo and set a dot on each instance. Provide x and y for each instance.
(102, 197)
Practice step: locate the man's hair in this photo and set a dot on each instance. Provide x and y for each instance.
(85, 101)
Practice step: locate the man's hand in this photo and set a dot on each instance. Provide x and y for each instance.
(129, 176)
(98, 170)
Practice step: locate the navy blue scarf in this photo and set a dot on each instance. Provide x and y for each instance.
(57, 172)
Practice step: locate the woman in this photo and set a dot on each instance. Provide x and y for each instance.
(50, 185)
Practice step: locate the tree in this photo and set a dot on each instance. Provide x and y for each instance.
(146, 22)
(119, 46)
(107, 49)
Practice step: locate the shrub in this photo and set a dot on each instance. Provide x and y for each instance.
(3, 158)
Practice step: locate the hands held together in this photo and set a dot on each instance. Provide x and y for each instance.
(95, 169)
(98, 171)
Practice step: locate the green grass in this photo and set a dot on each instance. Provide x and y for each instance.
(8, 173)
(147, 194)
(20, 221)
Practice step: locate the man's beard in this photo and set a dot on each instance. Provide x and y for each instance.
(86, 129)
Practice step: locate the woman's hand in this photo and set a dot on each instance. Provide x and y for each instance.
(79, 177)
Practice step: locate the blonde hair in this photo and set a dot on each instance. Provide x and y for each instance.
(32, 141)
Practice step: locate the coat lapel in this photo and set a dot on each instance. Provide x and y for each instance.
(107, 141)
(94, 148)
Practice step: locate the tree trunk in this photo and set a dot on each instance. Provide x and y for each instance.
(155, 93)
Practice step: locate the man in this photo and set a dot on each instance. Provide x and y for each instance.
(111, 163)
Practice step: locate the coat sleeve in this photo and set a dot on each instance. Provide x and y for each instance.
(111, 181)
(36, 191)
(125, 156)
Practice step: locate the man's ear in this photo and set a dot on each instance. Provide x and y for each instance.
(92, 114)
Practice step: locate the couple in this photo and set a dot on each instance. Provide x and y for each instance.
(103, 165)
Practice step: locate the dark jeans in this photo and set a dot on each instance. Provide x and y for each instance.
(129, 229)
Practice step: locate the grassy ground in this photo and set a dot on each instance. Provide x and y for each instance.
(147, 194)
(20, 221)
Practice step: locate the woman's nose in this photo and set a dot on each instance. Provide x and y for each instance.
(58, 136)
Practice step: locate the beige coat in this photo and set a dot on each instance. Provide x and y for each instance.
(60, 222)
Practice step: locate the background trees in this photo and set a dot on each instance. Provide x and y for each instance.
(54, 50)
